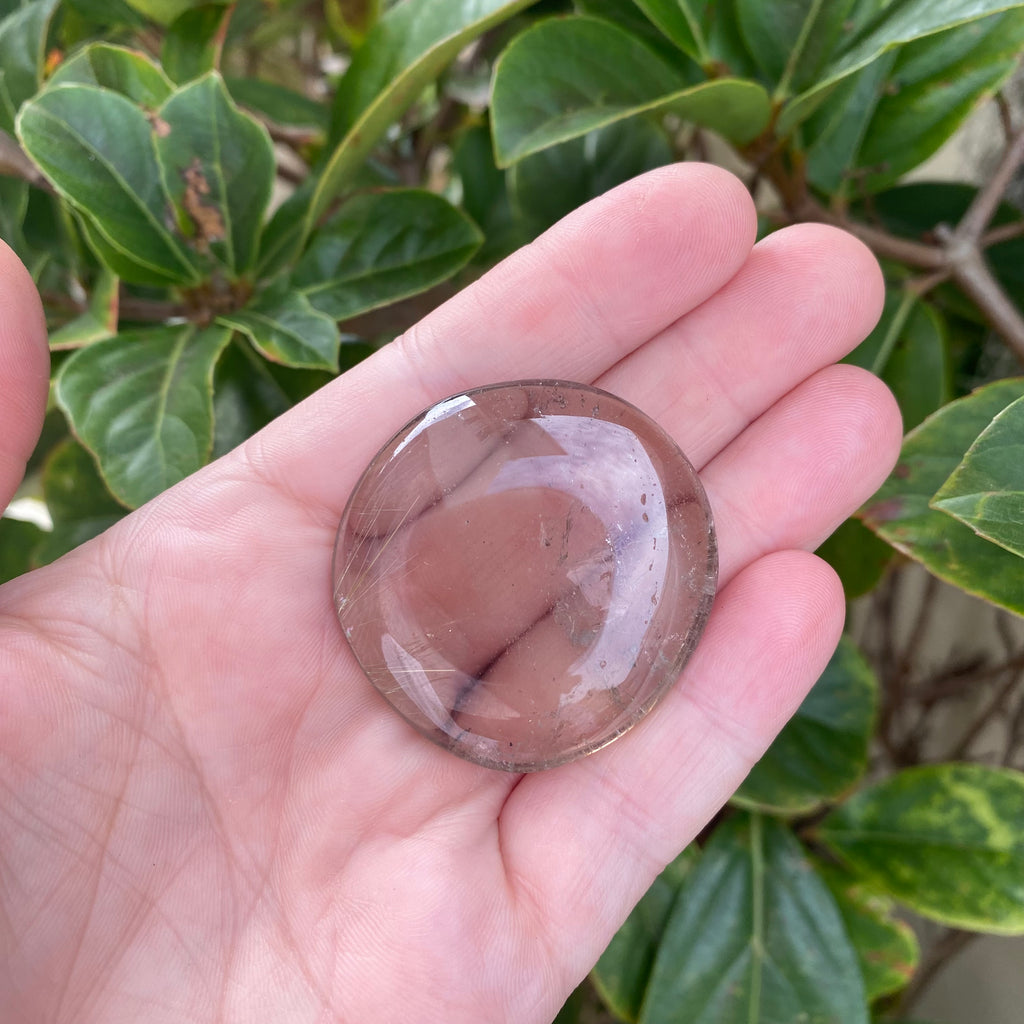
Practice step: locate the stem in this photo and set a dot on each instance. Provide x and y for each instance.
(14, 163)
(893, 333)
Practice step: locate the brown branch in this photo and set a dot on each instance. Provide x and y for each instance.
(988, 712)
(986, 202)
(14, 163)
(1002, 233)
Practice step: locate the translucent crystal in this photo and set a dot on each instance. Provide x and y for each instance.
(523, 570)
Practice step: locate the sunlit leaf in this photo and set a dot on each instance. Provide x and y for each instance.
(986, 491)
(287, 329)
(947, 840)
(384, 246)
(141, 402)
(565, 77)
(901, 514)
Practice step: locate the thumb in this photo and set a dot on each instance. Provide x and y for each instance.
(24, 371)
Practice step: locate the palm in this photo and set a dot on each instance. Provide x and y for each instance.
(210, 815)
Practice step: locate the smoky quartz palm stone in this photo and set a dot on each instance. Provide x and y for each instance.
(523, 570)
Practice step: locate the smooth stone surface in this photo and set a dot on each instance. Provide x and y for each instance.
(523, 570)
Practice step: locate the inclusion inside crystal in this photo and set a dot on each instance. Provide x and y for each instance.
(523, 570)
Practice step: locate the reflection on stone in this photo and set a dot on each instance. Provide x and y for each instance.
(523, 570)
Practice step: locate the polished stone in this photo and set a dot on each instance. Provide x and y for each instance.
(523, 570)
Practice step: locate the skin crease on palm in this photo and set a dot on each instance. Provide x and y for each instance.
(206, 811)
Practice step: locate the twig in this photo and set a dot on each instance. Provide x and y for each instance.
(986, 202)
(1002, 233)
(985, 715)
(952, 942)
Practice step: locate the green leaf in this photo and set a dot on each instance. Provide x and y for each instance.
(141, 402)
(908, 349)
(124, 71)
(218, 167)
(986, 491)
(79, 503)
(836, 130)
(352, 19)
(858, 557)
(99, 321)
(947, 840)
(485, 195)
(96, 148)
(565, 77)
(823, 749)
(407, 49)
(164, 12)
(546, 186)
(193, 43)
(22, 44)
(287, 329)
(791, 39)
(932, 89)
(886, 947)
(624, 970)
(277, 103)
(661, 22)
(246, 397)
(900, 513)
(753, 933)
(384, 246)
(899, 23)
(18, 541)
(680, 21)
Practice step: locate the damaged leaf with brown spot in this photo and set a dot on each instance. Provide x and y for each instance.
(218, 170)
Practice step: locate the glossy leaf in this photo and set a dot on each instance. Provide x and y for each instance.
(547, 185)
(822, 750)
(900, 513)
(858, 557)
(408, 48)
(947, 840)
(624, 970)
(899, 24)
(141, 402)
(124, 71)
(22, 42)
(565, 77)
(218, 167)
(95, 146)
(99, 321)
(753, 932)
(193, 43)
(924, 100)
(384, 246)
(791, 39)
(986, 491)
(78, 501)
(287, 329)
(887, 947)
(18, 541)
